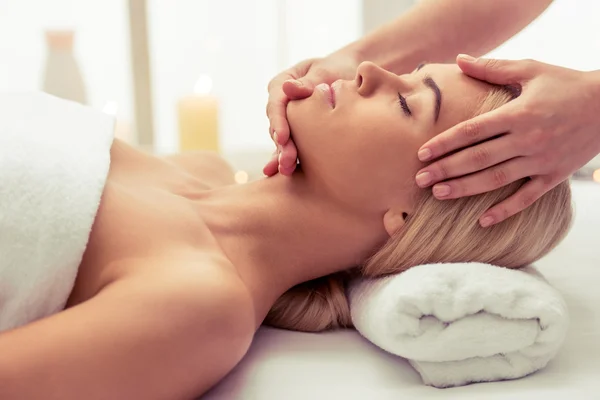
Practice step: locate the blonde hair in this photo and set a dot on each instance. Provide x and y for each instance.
(437, 231)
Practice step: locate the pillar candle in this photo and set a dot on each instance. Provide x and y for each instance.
(198, 119)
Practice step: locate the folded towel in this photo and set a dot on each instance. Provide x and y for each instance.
(54, 159)
(463, 323)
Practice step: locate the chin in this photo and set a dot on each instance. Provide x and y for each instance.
(308, 127)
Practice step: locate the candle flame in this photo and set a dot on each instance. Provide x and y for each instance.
(596, 175)
(111, 107)
(203, 85)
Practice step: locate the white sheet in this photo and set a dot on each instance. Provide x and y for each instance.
(343, 365)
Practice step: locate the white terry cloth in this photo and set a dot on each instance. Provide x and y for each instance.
(463, 323)
(54, 160)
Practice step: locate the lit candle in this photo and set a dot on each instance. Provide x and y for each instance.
(198, 118)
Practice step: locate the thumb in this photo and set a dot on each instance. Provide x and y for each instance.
(500, 72)
(298, 88)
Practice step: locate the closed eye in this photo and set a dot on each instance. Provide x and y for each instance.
(404, 105)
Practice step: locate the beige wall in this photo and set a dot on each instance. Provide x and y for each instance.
(378, 12)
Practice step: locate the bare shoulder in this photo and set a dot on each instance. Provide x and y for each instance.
(205, 293)
(215, 308)
(154, 335)
(205, 165)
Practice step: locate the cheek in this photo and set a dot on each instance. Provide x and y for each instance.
(307, 120)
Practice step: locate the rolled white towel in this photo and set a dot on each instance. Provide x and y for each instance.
(463, 323)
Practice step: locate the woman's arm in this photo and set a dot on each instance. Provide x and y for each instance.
(160, 337)
(437, 30)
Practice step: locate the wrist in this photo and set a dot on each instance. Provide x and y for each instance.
(386, 53)
(352, 52)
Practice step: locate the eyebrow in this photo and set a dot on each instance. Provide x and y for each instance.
(430, 83)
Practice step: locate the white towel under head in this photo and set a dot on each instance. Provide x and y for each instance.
(463, 323)
(54, 159)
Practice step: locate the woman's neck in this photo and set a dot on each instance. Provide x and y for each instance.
(281, 231)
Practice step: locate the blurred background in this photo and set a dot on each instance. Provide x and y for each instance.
(172, 69)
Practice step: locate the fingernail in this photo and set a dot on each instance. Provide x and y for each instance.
(423, 179)
(424, 154)
(296, 83)
(276, 137)
(467, 58)
(486, 221)
(441, 190)
(279, 158)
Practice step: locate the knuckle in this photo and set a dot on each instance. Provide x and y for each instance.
(535, 139)
(529, 63)
(521, 114)
(499, 177)
(480, 157)
(439, 145)
(526, 112)
(526, 200)
(505, 213)
(269, 108)
(490, 65)
(442, 171)
(462, 188)
(273, 109)
(547, 180)
(471, 130)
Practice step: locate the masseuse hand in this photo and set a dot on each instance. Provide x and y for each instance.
(551, 130)
(296, 83)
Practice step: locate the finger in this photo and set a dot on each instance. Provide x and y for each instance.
(469, 132)
(276, 112)
(523, 198)
(272, 165)
(288, 157)
(287, 171)
(484, 181)
(297, 89)
(468, 161)
(501, 72)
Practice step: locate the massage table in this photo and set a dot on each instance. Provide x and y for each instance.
(283, 365)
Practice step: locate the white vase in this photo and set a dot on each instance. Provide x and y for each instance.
(62, 77)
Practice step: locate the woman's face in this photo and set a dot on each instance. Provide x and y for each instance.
(358, 139)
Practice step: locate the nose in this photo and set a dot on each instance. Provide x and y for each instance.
(370, 77)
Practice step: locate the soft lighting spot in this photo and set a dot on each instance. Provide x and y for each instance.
(596, 176)
(110, 108)
(203, 85)
(241, 177)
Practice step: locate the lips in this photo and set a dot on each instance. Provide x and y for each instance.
(329, 93)
(332, 95)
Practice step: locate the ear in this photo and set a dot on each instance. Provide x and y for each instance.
(393, 220)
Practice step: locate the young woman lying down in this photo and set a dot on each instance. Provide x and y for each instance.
(182, 265)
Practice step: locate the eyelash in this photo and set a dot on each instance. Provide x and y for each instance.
(402, 102)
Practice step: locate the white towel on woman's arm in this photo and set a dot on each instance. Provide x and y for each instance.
(463, 323)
